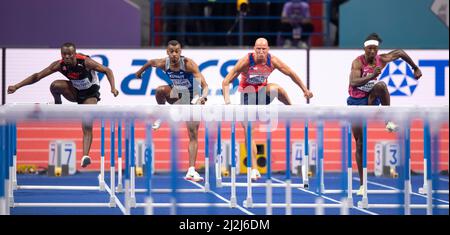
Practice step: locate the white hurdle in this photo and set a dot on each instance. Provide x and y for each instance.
(405, 176)
(149, 204)
(100, 187)
(319, 205)
(426, 162)
(218, 167)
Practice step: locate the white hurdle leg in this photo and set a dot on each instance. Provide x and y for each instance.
(218, 170)
(426, 156)
(407, 154)
(14, 173)
(14, 170)
(429, 198)
(101, 177)
(148, 205)
(7, 204)
(218, 158)
(10, 187)
(207, 188)
(288, 170)
(269, 197)
(305, 162)
(424, 188)
(305, 170)
(249, 201)
(269, 171)
(288, 197)
(2, 206)
(119, 175)
(233, 201)
(127, 197)
(349, 166)
(119, 157)
(132, 168)
(364, 203)
(112, 199)
(320, 210)
(345, 206)
(132, 187)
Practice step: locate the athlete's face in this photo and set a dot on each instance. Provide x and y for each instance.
(371, 51)
(68, 55)
(174, 53)
(261, 51)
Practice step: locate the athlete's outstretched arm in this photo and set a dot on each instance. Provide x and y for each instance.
(35, 77)
(92, 64)
(233, 74)
(198, 76)
(355, 74)
(395, 54)
(278, 64)
(159, 63)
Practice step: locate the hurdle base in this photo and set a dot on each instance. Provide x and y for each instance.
(423, 190)
(102, 186)
(346, 205)
(207, 188)
(112, 201)
(364, 203)
(248, 202)
(349, 202)
(101, 183)
(148, 206)
(219, 184)
(233, 202)
(3, 209)
(133, 202)
(11, 202)
(119, 188)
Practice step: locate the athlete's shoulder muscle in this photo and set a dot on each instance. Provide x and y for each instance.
(242, 64)
(55, 66)
(191, 66)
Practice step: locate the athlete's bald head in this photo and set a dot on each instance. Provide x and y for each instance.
(261, 42)
(261, 49)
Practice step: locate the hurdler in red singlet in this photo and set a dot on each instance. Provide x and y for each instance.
(255, 69)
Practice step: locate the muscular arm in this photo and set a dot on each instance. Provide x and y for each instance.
(355, 75)
(92, 64)
(395, 54)
(234, 73)
(35, 77)
(198, 76)
(278, 64)
(158, 63)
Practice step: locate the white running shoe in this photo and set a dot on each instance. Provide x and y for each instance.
(193, 175)
(255, 175)
(391, 126)
(360, 191)
(156, 125)
(85, 161)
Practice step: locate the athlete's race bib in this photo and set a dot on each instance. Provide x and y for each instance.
(82, 84)
(368, 86)
(182, 83)
(255, 79)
